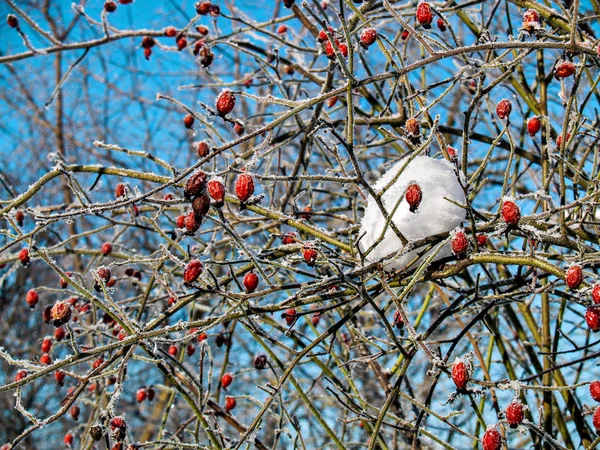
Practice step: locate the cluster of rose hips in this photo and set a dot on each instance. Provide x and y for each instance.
(514, 413)
(309, 251)
(328, 45)
(145, 393)
(424, 16)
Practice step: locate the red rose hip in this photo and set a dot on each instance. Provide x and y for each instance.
(460, 373)
(226, 380)
(195, 185)
(459, 243)
(368, 37)
(250, 282)
(564, 69)
(514, 413)
(592, 318)
(32, 298)
(309, 254)
(192, 271)
(424, 15)
(216, 189)
(244, 187)
(503, 108)
(595, 390)
(511, 214)
(188, 121)
(290, 316)
(106, 248)
(413, 196)
(534, 125)
(596, 294)
(230, 403)
(596, 420)
(574, 276)
(225, 102)
(24, 256)
(491, 440)
(531, 20)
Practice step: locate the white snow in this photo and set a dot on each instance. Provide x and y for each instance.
(435, 214)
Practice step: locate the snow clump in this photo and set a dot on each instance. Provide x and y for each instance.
(435, 214)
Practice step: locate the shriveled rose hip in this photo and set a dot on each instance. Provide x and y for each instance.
(203, 8)
(503, 108)
(244, 187)
(195, 184)
(60, 313)
(323, 35)
(398, 321)
(120, 190)
(441, 25)
(460, 373)
(239, 128)
(216, 189)
(59, 334)
(46, 345)
(148, 42)
(104, 273)
(203, 150)
(59, 376)
(74, 411)
(531, 20)
(564, 69)
(368, 37)
(412, 127)
(20, 218)
(201, 205)
(511, 214)
(482, 239)
(192, 271)
(459, 243)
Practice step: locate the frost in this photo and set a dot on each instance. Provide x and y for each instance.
(435, 214)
